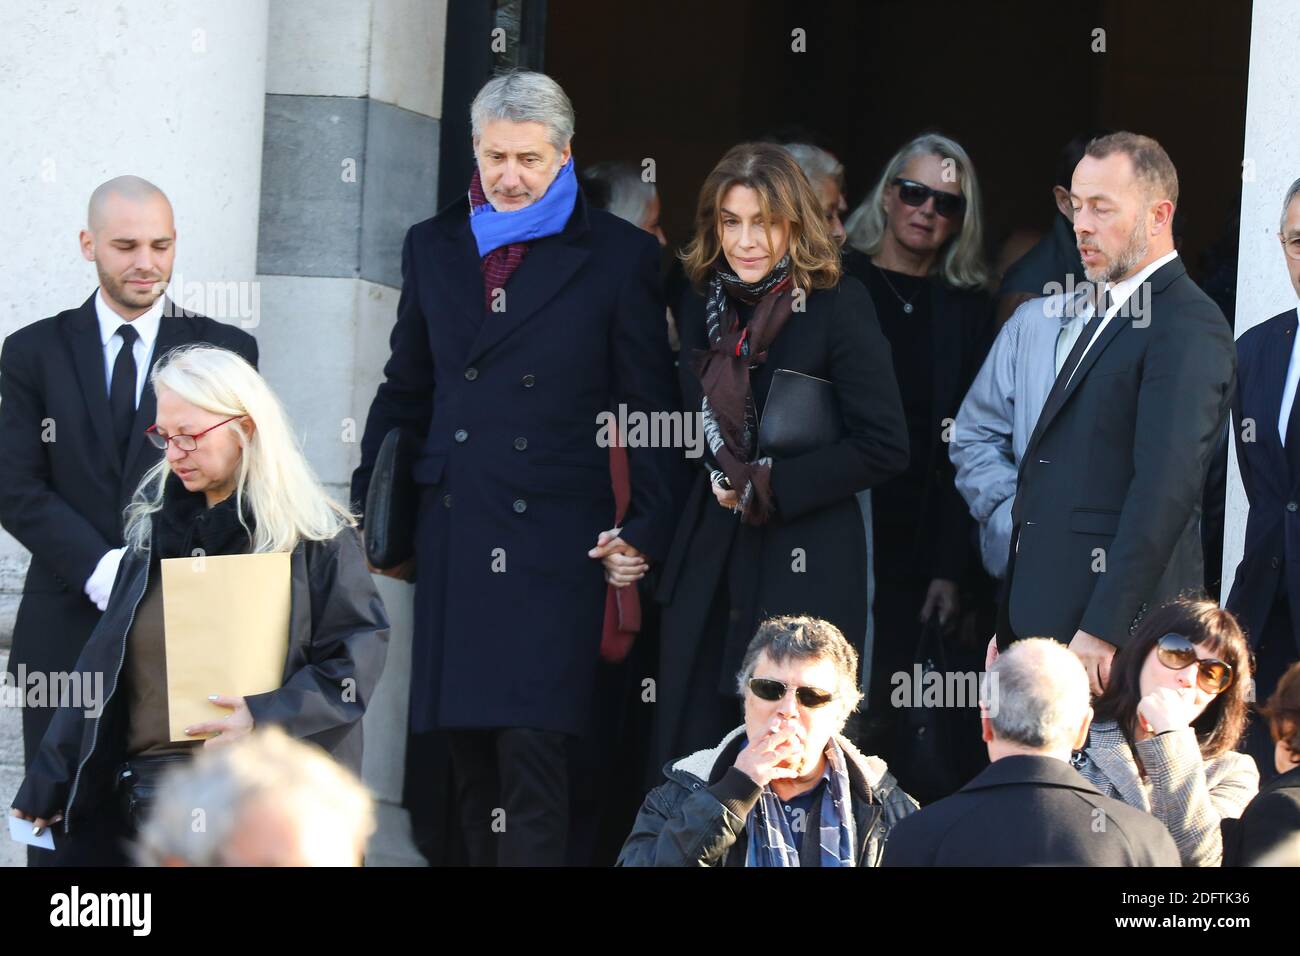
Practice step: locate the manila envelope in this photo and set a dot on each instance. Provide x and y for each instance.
(226, 627)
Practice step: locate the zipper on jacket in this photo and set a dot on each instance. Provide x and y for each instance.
(94, 737)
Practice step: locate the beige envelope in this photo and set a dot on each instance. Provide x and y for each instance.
(226, 627)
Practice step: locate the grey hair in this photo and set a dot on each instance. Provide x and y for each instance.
(524, 97)
(803, 638)
(816, 163)
(617, 187)
(222, 785)
(961, 262)
(1291, 194)
(1042, 694)
(128, 187)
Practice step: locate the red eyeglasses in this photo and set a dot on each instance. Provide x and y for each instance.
(183, 442)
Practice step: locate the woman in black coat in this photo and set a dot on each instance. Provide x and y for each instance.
(916, 243)
(232, 481)
(765, 534)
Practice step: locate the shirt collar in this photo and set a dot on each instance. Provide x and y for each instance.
(1120, 291)
(145, 325)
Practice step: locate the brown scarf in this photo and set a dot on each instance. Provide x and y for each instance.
(728, 409)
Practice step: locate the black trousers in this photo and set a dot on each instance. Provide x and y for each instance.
(512, 788)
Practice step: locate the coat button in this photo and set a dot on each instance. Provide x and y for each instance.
(461, 435)
(521, 444)
(520, 506)
(1276, 562)
(471, 373)
(529, 380)
(446, 501)
(1290, 506)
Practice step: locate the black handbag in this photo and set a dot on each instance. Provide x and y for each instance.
(800, 415)
(927, 761)
(391, 503)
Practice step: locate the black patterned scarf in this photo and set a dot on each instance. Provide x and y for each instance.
(729, 414)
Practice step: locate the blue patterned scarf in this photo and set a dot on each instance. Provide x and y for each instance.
(546, 217)
(771, 841)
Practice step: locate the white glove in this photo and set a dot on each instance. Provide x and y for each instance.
(100, 583)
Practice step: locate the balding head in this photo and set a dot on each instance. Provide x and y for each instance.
(131, 189)
(1042, 699)
(130, 236)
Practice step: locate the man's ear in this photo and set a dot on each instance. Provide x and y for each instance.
(1081, 737)
(1162, 217)
(986, 728)
(86, 240)
(1062, 197)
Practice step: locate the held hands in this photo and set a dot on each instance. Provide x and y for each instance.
(774, 756)
(1165, 709)
(228, 729)
(1096, 655)
(624, 564)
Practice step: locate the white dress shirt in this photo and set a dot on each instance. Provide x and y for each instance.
(1120, 292)
(146, 327)
(1292, 378)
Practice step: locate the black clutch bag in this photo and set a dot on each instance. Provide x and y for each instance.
(799, 416)
(391, 503)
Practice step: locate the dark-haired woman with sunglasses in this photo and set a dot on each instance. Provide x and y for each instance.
(1165, 729)
(916, 243)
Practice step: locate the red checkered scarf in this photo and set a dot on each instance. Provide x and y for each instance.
(499, 264)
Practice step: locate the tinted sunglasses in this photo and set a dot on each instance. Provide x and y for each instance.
(810, 697)
(948, 205)
(1176, 652)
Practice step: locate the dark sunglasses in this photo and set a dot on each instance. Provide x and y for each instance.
(948, 205)
(810, 697)
(1177, 652)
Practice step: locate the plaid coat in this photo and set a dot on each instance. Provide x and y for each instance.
(1186, 793)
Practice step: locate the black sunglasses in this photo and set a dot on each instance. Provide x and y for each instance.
(810, 697)
(1177, 652)
(948, 205)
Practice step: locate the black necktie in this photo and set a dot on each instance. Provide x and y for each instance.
(121, 391)
(1080, 346)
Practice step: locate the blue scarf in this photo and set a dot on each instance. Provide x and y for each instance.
(771, 842)
(546, 217)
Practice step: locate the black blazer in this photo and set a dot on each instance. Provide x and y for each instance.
(1272, 528)
(1113, 474)
(63, 498)
(1030, 811)
(1267, 823)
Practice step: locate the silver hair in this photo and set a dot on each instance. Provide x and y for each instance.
(803, 638)
(223, 784)
(816, 163)
(524, 97)
(1291, 194)
(617, 187)
(961, 261)
(1042, 694)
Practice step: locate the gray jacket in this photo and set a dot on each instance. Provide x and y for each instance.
(697, 818)
(999, 413)
(1186, 793)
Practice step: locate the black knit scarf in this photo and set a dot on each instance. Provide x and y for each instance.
(729, 415)
(185, 524)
